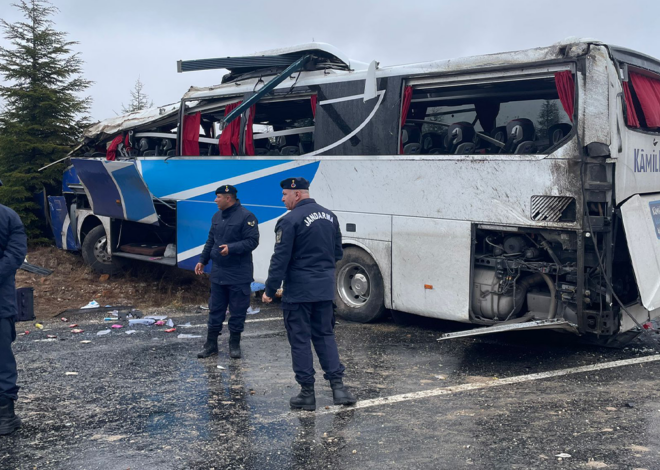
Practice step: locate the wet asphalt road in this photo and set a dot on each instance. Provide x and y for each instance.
(144, 401)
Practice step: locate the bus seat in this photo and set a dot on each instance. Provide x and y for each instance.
(146, 145)
(291, 145)
(290, 150)
(213, 150)
(165, 146)
(306, 147)
(520, 137)
(260, 151)
(460, 138)
(149, 153)
(412, 149)
(432, 141)
(410, 134)
(499, 133)
(274, 153)
(557, 133)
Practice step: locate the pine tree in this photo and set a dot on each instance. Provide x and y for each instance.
(43, 114)
(548, 117)
(139, 100)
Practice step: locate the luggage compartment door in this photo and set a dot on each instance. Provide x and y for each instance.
(116, 189)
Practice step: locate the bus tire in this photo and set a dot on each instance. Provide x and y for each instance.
(360, 295)
(95, 255)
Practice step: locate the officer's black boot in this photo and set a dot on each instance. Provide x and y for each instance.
(234, 345)
(340, 394)
(9, 422)
(305, 400)
(211, 345)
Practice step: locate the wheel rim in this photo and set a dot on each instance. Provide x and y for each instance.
(101, 250)
(354, 285)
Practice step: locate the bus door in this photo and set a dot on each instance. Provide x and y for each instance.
(641, 220)
(117, 190)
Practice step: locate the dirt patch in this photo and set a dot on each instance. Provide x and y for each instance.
(73, 284)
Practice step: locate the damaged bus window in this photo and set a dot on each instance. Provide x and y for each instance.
(513, 117)
(642, 99)
(284, 128)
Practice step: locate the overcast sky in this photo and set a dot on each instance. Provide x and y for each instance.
(122, 40)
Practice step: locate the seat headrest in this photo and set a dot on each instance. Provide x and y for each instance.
(557, 132)
(461, 132)
(411, 134)
(432, 140)
(520, 130)
(144, 144)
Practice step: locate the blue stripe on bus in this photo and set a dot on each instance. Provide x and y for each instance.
(262, 196)
(266, 191)
(174, 176)
(137, 199)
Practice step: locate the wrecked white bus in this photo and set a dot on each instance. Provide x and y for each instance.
(515, 190)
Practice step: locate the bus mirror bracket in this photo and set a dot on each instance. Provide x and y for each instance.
(598, 149)
(370, 84)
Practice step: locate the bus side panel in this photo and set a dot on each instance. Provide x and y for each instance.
(373, 234)
(431, 261)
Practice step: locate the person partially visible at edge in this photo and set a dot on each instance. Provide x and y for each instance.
(307, 247)
(13, 248)
(233, 237)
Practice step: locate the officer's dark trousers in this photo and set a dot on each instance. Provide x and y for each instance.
(8, 373)
(237, 298)
(315, 322)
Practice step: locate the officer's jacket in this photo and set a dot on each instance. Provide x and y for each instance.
(237, 228)
(307, 246)
(13, 248)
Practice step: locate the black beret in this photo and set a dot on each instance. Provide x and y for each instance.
(226, 189)
(295, 183)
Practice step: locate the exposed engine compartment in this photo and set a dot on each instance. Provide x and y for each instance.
(529, 274)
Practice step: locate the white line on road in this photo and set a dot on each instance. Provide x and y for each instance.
(476, 386)
(256, 320)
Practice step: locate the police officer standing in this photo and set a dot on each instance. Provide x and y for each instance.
(233, 236)
(307, 246)
(13, 248)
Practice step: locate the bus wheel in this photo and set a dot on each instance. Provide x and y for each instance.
(360, 291)
(95, 254)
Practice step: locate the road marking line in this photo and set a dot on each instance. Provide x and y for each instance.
(476, 386)
(256, 320)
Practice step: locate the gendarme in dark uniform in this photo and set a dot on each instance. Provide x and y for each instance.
(233, 236)
(13, 248)
(307, 246)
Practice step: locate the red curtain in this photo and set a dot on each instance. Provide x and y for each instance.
(566, 89)
(230, 134)
(249, 142)
(127, 143)
(111, 153)
(313, 99)
(631, 114)
(647, 90)
(407, 98)
(191, 134)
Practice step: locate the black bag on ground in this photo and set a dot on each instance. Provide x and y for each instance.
(25, 303)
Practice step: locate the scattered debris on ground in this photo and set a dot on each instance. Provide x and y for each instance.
(73, 284)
